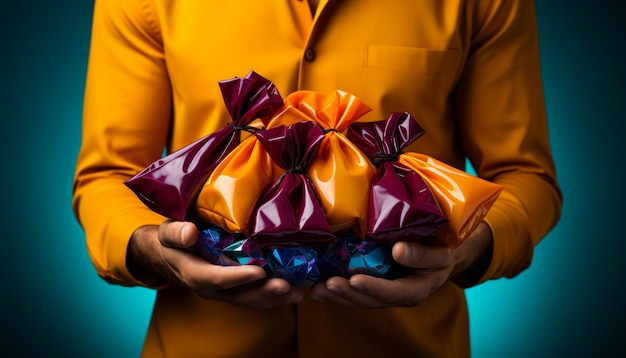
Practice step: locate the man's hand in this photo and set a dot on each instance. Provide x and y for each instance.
(158, 255)
(432, 265)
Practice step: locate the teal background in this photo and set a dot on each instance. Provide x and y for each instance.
(569, 303)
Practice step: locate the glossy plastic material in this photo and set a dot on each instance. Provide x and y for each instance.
(169, 185)
(401, 204)
(351, 255)
(294, 264)
(230, 193)
(348, 256)
(340, 172)
(463, 199)
(289, 214)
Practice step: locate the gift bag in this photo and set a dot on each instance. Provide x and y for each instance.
(464, 199)
(289, 214)
(339, 171)
(228, 196)
(169, 185)
(401, 204)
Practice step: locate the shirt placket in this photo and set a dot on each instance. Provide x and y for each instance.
(306, 25)
(310, 313)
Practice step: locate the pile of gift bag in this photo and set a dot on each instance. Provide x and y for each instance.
(299, 186)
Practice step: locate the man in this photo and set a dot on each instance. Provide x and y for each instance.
(468, 70)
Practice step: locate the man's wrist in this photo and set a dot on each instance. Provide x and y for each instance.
(141, 248)
(474, 257)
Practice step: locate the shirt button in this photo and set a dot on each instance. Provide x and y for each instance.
(309, 54)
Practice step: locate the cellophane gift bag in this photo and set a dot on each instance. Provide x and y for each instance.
(339, 170)
(401, 205)
(228, 196)
(289, 213)
(464, 199)
(170, 185)
(288, 224)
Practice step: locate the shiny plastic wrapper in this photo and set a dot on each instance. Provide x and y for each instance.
(169, 185)
(243, 252)
(296, 265)
(401, 204)
(349, 255)
(464, 199)
(228, 197)
(289, 213)
(339, 170)
(211, 242)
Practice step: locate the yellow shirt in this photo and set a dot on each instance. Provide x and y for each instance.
(468, 70)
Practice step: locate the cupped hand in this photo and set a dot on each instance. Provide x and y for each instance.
(430, 265)
(159, 255)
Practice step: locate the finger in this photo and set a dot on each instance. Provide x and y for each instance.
(180, 234)
(364, 291)
(402, 292)
(226, 277)
(321, 292)
(339, 291)
(420, 256)
(198, 274)
(263, 294)
(409, 290)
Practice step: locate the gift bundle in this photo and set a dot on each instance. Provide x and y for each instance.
(299, 186)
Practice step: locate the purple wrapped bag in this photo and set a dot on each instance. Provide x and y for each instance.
(402, 206)
(289, 213)
(169, 185)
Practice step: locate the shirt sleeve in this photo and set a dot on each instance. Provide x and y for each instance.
(126, 118)
(503, 128)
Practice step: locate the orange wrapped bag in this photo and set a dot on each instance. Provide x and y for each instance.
(463, 199)
(232, 190)
(170, 184)
(340, 172)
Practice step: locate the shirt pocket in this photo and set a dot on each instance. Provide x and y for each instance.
(424, 61)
